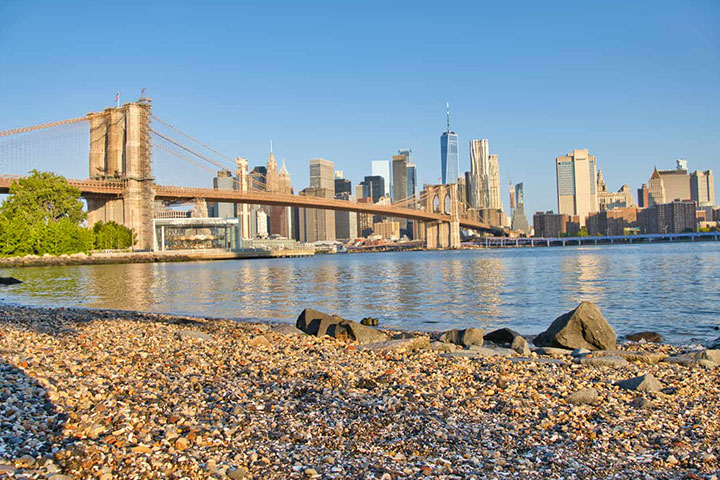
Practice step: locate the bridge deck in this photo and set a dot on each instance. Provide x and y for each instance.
(171, 193)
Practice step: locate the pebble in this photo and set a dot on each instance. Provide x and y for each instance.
(124, 395)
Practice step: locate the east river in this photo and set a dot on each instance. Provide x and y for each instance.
(670, 288)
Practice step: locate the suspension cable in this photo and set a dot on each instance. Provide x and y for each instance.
(187, 149)
(191, 138)
(33, 128)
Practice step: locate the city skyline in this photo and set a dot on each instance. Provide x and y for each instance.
(302, 86)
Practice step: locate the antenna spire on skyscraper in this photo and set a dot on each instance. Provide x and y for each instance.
(271, 146)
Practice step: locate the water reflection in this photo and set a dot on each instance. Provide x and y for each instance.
(670, 288)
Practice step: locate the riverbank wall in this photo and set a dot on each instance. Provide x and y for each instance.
(103, 258)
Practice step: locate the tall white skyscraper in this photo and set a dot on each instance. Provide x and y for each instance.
(577, 184)
(485, 173)
(381, 168)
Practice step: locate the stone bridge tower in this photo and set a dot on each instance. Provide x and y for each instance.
(442, 199)
(120, 152)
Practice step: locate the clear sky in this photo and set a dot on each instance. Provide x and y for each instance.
(637, 83)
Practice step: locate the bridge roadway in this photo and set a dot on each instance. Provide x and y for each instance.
(171, 193)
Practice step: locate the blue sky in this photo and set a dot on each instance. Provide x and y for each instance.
(637, 83)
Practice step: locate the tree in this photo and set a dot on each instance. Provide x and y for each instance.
(111, 235)
(43, 196)
(43, 215)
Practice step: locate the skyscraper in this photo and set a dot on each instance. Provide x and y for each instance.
(382, 168)
(576, 175)
(412, 186)
(702, 188)
(519, 220)
(485, 175)
(399, 173)
(319, 225)
(322, 173)
(449, 155)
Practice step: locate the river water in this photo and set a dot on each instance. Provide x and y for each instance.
(670, 288)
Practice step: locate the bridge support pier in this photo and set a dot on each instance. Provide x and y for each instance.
(431, 235)
(120, 151)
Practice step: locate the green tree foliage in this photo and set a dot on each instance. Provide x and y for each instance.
(43, 214)
(112, 236)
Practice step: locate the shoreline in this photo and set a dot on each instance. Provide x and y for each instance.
(110, 394)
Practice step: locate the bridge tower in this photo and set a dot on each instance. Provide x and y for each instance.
(442, 199)
(120, 152)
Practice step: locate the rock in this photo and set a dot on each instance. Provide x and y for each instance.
(193, 335)
(641, 402)
(399, 346)
(715, 344)
(630, 356)
(8, 470)
(9, 281)
(584, 396)
(501, 336)
(651, 337)
(476, 351)
(259, 341)
(58, 476)
(26, 461)
(580, 352)
(712, 355)
(607, 361)
(465, 337)
(520, 345)
(583, 327)
(286, 329)
(370, 321)
(553, 352)
(182, 443)
(704, 358)
(553, 361)
(238, 473)
(443, 347)
(310, 472)
(643, 383)
(319, 324)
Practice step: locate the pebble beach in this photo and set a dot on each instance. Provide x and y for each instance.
(101, 394)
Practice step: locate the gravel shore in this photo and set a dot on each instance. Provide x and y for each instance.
(105, 394)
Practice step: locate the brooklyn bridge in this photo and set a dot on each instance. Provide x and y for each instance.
(121, 184)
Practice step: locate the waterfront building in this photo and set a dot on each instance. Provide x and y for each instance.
(576, 184)
(643, 196)
(702, 188)
(519, 221)
(674, 217)
(549, 224)
(612, 222)
(381, 168)
(388, 230)
(449, 154)
(262, 223)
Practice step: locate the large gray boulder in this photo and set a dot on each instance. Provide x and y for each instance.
(465, 337)
(320, 324)
(502, 335)
(584, 327)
